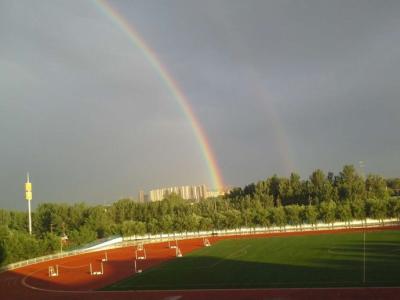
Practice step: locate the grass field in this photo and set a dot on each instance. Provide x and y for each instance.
(327, 260)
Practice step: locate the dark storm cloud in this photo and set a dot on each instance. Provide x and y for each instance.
(83, 110)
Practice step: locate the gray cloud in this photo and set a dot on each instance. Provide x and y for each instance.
(314, 82)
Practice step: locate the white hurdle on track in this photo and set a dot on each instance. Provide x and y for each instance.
(136, 268)
(173, 246)
(53, 271)
(101, 272)
(140, 252)
(105, 259)
(178, 252)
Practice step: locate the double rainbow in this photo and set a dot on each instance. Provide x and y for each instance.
(173, 87)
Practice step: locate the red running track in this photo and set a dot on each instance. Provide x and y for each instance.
(75, 282)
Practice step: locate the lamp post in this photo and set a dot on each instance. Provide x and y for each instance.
(28, 197)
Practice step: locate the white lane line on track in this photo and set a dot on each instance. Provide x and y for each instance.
(172, 298)
(23, 282)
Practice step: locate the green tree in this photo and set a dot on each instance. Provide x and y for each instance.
(190, 222)
(122, 210)
(248, 217)
(153, 226)
(130, 228)
(327, 212)
(3, 254)
(82, 236)
(233, 218)
(76, 216)
(219, 220)
(311, 215)
(206, 224)
(21, 246)
(396, 208)
(166, 223)
(19, 221)
(358, 209)
(278, 216)
(4, 237)
(376, 187)
(50, 243)
(344, 212)
(351, 185)
(293, 214)
(376, 208)
(285, 191)
(99, 220)
(320, 188)
(4, 217)
(297, 190)
(393, 185)
(51, 217)
(262, 217)
(273, 183)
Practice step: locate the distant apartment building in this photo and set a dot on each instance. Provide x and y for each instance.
(141, 197)
(187, 192)
(216, 193)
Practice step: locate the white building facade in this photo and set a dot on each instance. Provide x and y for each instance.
(187, 192)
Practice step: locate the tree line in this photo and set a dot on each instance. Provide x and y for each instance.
(275, 201)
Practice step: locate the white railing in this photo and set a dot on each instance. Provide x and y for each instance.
(261, 230)
(153, 238)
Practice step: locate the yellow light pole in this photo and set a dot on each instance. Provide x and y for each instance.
(28, 197)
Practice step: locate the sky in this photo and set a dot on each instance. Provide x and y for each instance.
(278, 87)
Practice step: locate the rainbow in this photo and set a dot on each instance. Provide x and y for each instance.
(173, 87)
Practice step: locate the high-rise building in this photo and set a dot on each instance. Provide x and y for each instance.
(141, 197)
(187, 192)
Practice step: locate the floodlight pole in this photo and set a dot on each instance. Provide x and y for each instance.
(28, 197)
(30, 217)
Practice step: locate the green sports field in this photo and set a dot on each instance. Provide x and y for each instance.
(326, 260)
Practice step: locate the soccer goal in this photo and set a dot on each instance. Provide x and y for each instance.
(53, 271)
(140, 252)
(96, 273)
(173, 244)
(178, 252)
(206, 242)
(137, 270)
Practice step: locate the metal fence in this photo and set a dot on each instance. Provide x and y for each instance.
(153, 238)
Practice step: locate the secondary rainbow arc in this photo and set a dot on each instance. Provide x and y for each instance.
(172, 86)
